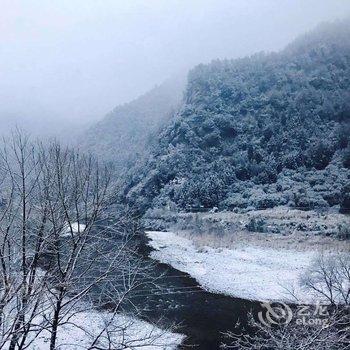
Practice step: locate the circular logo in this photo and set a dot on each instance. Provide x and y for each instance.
(276, 313)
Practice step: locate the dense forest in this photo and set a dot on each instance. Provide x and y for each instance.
(257, 132)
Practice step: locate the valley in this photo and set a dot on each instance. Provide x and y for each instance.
(210, 211)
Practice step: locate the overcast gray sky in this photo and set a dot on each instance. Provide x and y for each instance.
(77, 59)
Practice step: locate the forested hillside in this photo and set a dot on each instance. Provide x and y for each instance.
(261, 131)
(122, 135)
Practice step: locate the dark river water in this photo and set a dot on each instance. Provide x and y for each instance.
(202, 316)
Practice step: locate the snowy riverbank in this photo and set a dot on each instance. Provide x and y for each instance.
(126, 332)
(244, 272)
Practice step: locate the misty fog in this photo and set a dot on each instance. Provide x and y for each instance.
(65, 63)
(175, 174)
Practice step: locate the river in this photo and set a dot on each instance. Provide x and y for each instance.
(202, 316)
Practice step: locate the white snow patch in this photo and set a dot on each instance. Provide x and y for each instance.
(245, 272)
(73, 228)
(83, 327)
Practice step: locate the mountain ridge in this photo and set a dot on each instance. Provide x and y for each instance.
(249, 128)
(121, 136)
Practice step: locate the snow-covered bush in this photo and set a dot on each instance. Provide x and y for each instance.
(345, 199)
(343, 231)
(256, 225)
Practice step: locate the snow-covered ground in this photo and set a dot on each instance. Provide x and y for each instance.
(74, 228)
(250, 272)
(83, 327)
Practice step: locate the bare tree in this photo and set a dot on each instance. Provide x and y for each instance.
(330, 335)
(21, 226)
(61, 246)
(328, 280)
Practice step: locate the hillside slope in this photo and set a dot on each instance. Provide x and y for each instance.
(121, 136)
(267, 130)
